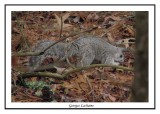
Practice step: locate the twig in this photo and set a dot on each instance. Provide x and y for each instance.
(43, 51)
(89, 84)
(81, 87)
(90, 88)
(61, 29)
(69, 63)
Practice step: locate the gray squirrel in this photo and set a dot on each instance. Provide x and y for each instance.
(86, 49)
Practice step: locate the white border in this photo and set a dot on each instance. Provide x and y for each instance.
(9, 104)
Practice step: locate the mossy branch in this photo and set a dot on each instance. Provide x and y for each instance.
(93, 66)
(41, 74)
(68, 72)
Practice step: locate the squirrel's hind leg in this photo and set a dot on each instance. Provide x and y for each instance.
(86, 58)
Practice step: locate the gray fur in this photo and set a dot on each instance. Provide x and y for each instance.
(58, 51)
(86, 50)
(90, 48)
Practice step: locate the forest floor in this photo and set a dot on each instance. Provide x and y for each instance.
(92, 85)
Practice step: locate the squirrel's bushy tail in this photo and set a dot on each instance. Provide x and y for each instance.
(56, 51)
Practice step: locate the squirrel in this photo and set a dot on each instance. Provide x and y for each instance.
(86, 49)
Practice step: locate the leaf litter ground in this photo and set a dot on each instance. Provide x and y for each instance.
(92, 85)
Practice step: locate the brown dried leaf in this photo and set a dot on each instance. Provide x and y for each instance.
(67, 26)
(76, 19)
(61, 70)
(110, 38)
(58, 21)
(131, 30)
(89, 17)
(112, 98)
(96, 17)
(15, 30)
(115, 18)
(15, 61)
(126, 45)
(64, 17)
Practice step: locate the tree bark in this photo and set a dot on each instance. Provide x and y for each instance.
(140, 84)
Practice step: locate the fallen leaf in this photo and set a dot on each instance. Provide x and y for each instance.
(15, 30)
(110, 38)
(76, 19)
(65, 16)
(112, 98)
(61, 21)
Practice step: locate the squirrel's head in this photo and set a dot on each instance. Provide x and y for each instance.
(118, 55)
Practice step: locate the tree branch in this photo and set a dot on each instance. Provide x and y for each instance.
(68, 72)
(61, 29)
(41, 74)
(95, 65)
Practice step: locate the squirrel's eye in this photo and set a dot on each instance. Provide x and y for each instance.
(120, 56)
